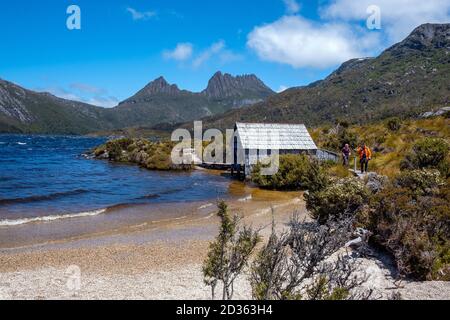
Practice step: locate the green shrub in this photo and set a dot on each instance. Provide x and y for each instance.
(292, 174)
(229, 254)
(344, 123)
(150, 155)
(394, 124)
(338, 197)
(420, 182)
(317, 176)
(428, 153)
(117, 147)
(337, 141)
(414, 229)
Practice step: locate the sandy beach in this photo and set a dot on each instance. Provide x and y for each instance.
(161, 260)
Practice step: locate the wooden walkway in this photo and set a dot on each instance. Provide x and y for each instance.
(215, 166)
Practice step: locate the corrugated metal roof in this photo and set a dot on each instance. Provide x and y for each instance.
(274, 136)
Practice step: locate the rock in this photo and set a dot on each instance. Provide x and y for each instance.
(103, 156)
(140, 157)
(355, 243)
(442, 111)
(437, 113)
(362, 239)
(375, 182)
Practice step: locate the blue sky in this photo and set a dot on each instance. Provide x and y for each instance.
(124, 44)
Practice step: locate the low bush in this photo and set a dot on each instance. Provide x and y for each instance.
(149, 155)
(411, 219)
(296, 172)
(296, 265)
(394, 124)
(292, 174)
(341, 196)
(117, 147)
(428, 153)
(420, 182)
(336, 141)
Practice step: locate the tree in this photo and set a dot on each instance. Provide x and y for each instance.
(229, 253)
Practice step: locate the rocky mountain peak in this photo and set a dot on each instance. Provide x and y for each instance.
(225, 85)
(425, 36)
(159, 85)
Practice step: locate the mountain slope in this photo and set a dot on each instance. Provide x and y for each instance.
(406, 79)
(25, 111)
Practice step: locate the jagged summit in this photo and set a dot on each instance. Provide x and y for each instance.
(159, 85)
(225, 86)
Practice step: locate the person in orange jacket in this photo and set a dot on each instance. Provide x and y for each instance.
(365, 155)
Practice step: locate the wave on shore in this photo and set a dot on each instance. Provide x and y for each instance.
(17, 222)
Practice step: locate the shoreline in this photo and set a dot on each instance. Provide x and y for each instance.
(160, 262)
(128, 218)
(194, 222)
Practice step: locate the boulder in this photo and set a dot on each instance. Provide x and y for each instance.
(375, 182)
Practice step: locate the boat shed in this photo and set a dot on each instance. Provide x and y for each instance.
(254, 142)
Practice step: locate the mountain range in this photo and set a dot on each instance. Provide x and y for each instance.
(158, 103)
(405, 80)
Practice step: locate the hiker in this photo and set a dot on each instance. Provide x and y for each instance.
(346, 153)
(365, 155)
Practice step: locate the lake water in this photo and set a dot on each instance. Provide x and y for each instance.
(46, 178)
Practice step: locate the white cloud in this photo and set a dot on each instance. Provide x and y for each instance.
(398, 17)
(140, 15)
(340, 33)
(217, 50)
(301, 43)
(214, 49)
(183, 51)
(292, 6)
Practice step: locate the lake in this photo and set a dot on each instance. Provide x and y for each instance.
(46, 178)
